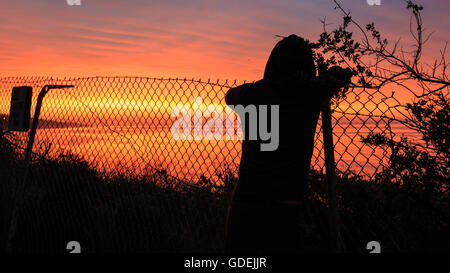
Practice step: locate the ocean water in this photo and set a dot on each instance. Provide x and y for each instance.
(138, 149)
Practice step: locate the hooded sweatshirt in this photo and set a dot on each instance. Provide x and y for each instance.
(289, 81)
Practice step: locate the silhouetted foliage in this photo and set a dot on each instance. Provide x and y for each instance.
(421, 167)
(67, 199)
(377, 64)
(415, 179)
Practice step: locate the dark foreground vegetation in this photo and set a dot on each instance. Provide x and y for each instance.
(68, 200)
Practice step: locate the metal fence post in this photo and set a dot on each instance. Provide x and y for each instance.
(330, 167)
(20, 188)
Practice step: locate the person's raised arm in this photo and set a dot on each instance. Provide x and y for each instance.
(232, 96)
(239, 95)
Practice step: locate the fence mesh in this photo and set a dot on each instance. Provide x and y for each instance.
(123, 124)
(120, 126)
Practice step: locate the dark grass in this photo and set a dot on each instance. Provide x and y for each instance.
(67, 199)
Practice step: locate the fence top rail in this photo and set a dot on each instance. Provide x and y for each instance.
(39, 79)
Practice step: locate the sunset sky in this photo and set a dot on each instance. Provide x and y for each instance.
(179, 38)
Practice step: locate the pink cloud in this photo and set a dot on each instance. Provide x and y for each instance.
(229, 38)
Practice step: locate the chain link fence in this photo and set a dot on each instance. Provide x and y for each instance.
(106, 146)
(123, 124)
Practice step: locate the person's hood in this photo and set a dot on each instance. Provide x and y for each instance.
(289, 57)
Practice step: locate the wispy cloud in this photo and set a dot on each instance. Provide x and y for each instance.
(171, 37)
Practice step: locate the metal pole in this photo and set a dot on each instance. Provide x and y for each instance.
(331, 177)
(20, 188)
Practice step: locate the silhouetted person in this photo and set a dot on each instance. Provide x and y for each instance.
(264, 213)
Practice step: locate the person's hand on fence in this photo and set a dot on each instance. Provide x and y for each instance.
(339, 76)
(335, 78)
